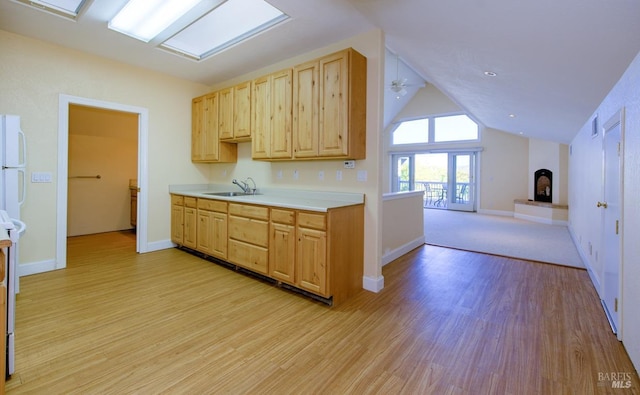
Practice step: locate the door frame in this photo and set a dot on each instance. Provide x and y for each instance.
(614, 121)
(63, 170)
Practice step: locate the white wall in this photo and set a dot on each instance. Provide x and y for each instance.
(551, 156)
(33, 74)
(585, 170)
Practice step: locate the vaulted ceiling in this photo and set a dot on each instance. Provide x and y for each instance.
(554, 61)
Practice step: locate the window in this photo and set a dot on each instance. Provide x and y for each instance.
(438, 129)
(412, 132)
(455, 128)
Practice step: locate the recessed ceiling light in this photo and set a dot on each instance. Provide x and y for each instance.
(490, 74)
(512, 115)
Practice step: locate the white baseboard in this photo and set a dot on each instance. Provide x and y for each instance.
(390, 256)
(27, 269)
(585, 261)
(159, 245)
(496, 212)
(373, 284)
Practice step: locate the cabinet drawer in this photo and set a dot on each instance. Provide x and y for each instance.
(212, 205)
(313, 221)
(177, 200)
(250, 256)
(190, 201)
(249, 230)
(243, 210)
(286, 217)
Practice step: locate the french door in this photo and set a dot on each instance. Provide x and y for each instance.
(447, 178)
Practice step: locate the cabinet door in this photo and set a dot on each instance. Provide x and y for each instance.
(242, 111)
(219, 237)
(204, 232)
(225, 114)
(209, 136)
(281, 114)
(305, 114)
(197, 115)
(311, 260)
(190, 227)
(177, 224)
(261, 122)
(282, 250)
(334, 105)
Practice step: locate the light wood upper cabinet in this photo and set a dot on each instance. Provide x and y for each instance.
(205, 144)
(305, 118)
(317, 110)
(261, 118)
(272, 116)
(330, 107)
(242, 112)
(234, 119)
(225, 114)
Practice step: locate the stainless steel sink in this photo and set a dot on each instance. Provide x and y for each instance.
(228, 194)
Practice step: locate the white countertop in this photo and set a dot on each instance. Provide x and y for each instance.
(286, 198)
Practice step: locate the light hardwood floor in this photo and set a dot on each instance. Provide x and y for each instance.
(447, 322)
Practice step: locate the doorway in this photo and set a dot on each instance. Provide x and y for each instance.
(65, 102)
(611, 229)
(447, 178)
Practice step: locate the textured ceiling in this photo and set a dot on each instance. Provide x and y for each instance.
(555, 61)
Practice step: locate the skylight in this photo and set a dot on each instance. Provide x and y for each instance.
(195, 28)
(145, 19)
(65, 8)
(228, 24)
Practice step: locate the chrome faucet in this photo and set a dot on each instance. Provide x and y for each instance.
(244, 185)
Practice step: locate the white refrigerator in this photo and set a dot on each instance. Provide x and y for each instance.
(13, 152)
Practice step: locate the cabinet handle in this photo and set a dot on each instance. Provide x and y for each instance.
(602, 204)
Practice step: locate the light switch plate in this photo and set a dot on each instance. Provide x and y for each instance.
(41, 177)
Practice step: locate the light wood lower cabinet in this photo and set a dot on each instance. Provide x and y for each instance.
(177, 219)
(249, 236)
(212, 228)
(282, 248)
(190, 222)
(318, 252)
(184, 220)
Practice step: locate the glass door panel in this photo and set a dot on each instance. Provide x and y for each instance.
(461, 181)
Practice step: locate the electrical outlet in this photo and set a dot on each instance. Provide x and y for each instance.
(321, 175)
(362, 175)
(349, 164)
(279, 175)
(295, 175)
(339, 175)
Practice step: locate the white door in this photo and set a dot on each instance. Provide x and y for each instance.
(611, 206)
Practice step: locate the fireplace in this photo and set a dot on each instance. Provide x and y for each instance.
(543, 186)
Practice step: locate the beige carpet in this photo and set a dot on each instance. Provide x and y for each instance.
(506, 236)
